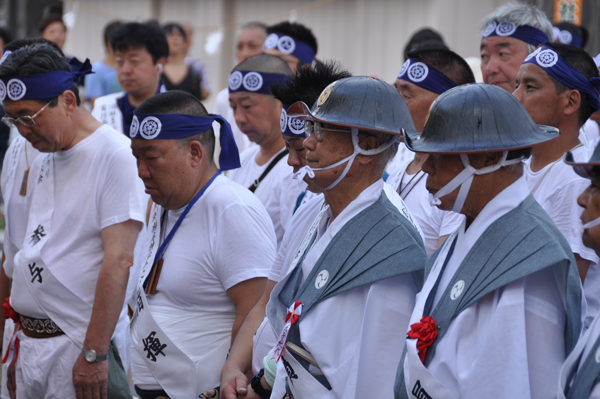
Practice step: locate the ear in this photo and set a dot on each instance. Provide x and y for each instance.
(197, 153)
(484, 159)
(367, 143)
(70, 101)
(573, 102)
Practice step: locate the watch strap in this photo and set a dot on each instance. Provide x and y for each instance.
(257, 386)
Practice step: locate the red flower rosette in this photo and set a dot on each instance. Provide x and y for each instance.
(9, 312)
(425, 332)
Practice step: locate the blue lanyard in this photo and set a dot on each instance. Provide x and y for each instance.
(163, 246)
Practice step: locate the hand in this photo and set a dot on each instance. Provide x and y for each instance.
(90, 379)
(11, 382)
(233, 384)
(251, 394)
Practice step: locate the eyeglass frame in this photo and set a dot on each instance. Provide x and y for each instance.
(12, 121)
(319, 130)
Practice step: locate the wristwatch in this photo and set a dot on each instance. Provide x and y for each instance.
(257, 386)
(91, 356)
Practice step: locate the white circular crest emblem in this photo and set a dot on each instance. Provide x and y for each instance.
(325, 95)
(271, 41)
(15, 89)
(506, 29)
(286, 44)
(490, 29)
(547, 58)
(457, 289)
(566, 37)
(555, 34)
(283, 120)
(418, 72)
(252, 81)
(150, 127)
(296, 125)
(321, 279)
(530, 56)
(2, 90)
(135, 126)
(404, 68)
(235, 80)
(597, 355)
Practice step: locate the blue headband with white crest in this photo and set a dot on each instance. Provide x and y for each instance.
(425, 77)
(526, 33)
(43, 85)
(566, 37)
(550, 61)
(179, 126)
(254, 82)
(289, 45)
(290, 127)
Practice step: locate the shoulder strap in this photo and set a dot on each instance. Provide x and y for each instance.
(587, 376)
(274, 162)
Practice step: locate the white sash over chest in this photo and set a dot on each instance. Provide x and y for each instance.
(173, 369)
(418, 380)
(71, 313)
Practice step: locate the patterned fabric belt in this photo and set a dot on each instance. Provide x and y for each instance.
(39, 328)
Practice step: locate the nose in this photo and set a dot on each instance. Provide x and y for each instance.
(492, 66)
(294, 159)
(518, 93)
(582, 200)
(310, 143)
(240, 117)
(427, 166)
(143, 171)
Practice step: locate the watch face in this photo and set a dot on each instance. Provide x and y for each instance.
(90, 355)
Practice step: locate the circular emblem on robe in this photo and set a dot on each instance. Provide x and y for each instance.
(530, 56)
(283, 120)
(566, 37)
(15, 89)
(271, 41)
(597, 355)
(2, 90)
(325, 95)
(252, 81)
(150, 127)
(490, 29)
(457, 289)
(135, 126)
(418, 72)
(296, 125)
(235, 80)
(506, 28)
(286, 44)
(547, 58)
(321, 279)
(404, 68)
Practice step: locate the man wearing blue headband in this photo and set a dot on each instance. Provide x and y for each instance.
(257, 113)
(71, 273)
(423, 77)
(556, 86)
(209, 248)
(292, 42)
(509, 34)
(141, 51)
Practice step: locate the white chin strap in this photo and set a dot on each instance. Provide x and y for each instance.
(591, 224)
(307, 170)
(464, 180)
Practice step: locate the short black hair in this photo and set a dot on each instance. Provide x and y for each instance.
(5, 36)
(308, 83)
(296, 31)
(18, 43)
(264, 63)
(181, 102)
(447, 62)
(425, 38)
(50, 19)
(34, 59)
(109, 30)
(581, 61)
(134, 35)
(174, 27)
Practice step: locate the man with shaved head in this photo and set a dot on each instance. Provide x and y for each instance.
(257, 114)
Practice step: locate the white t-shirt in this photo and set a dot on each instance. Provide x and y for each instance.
(222, 108)
(278, 202)
(226, 238)
(434, 222)
(354, 335)
(556, 188)
(95, 186)
(589, 134)
(19, 156)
